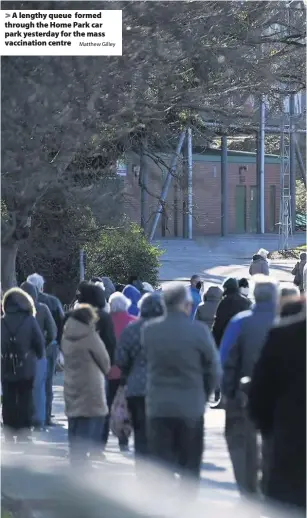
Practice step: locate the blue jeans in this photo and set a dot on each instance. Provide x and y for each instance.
(84, 436)
(39, 393)
(52, 353)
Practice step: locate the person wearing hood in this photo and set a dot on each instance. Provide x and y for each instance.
(22, 343)
(260, 263)
(240, 349)
(195, 287)
(231, 304)
(134, 295)
(86, 363)
(298, 272)
(48, 328)
(207, 309)
(92, 294)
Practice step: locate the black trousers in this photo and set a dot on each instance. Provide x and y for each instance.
(83, 437)
(177, 444)
(136, 406)
(52, 353)
(17, 405)
(112, 387)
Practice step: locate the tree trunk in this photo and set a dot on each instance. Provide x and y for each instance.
(8, 266)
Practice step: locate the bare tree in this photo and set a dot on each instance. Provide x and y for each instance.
(182, 62)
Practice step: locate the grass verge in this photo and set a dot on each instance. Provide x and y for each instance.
(292, 253)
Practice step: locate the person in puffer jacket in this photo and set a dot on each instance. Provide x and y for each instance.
(207, 309)
(134, 295)
(22, 344)
(260, 263)
(85, 367)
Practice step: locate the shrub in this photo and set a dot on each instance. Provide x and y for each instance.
(120, 253)
(300, 197)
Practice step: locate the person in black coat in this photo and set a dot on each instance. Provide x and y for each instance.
(22, 343)
(277, 405)
(94, 295)
(231, 304)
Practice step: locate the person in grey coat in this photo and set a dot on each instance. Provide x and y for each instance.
(260, 263)
(240, 349)
(183, 369)
(207, 309)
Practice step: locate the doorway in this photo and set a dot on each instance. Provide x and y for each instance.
(253, 209)
(272, 218)
(240, 201)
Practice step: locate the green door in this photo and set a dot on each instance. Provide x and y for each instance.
(240, 209)
(253, 209)
(273, 221)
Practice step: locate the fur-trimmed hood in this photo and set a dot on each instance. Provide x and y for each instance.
(16, 300)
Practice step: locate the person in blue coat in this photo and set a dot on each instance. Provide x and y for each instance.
(134, 295)
(195, 287)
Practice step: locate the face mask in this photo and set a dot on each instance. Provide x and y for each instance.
(244, 291)
(198, 286)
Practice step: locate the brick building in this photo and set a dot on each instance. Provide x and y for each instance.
(242, 194)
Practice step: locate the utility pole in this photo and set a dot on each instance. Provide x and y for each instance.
(190, 184)
(287, 165)
(224, 190)
(285, 220)
(167, 184)
(262, 164)
(143, 181)
(292, 159)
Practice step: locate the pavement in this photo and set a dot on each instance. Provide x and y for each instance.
(216, 258)
(50, 448)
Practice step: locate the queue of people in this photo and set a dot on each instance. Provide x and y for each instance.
(253, 337)
(31, 331)
(168, 351)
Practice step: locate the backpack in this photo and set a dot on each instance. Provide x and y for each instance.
(14, 358)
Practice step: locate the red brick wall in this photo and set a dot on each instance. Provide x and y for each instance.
(206, 196)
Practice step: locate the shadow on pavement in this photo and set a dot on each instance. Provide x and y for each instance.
(210, 466)
(228, 486)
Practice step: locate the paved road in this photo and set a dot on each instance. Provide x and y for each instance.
(51, 447)
(214, 259)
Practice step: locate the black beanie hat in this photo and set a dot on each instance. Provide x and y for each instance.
(231, 285)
